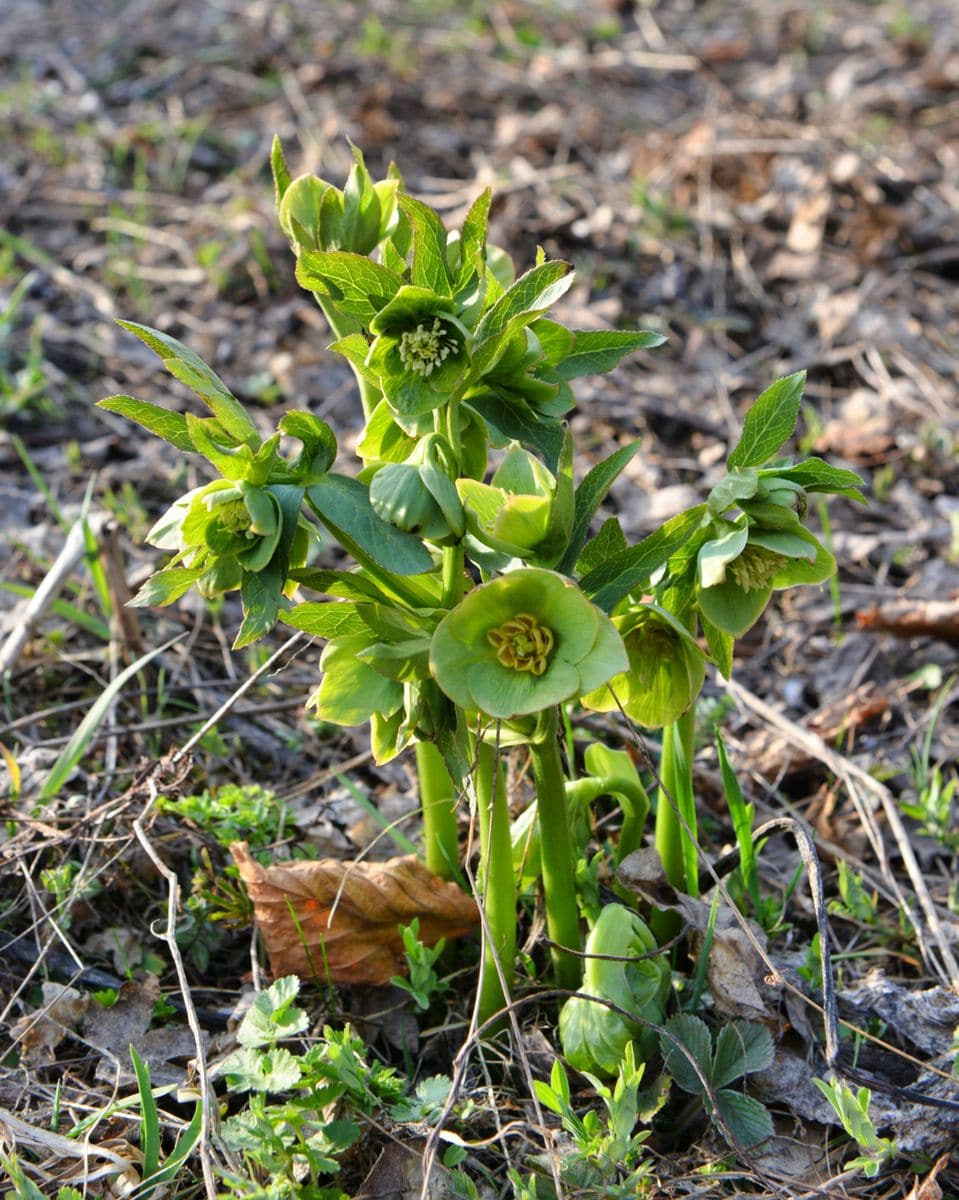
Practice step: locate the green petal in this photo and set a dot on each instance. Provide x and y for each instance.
(500, 692)
(575, 623)
(731, 609)
(717, 552)
(607, 656)
(408, 307)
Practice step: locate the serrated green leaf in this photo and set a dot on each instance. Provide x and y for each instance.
(190, 369)
(355, 348)
(738, 1044)
(347, 585)
(250, 1070)
(589, 496)
(272, 1015)
(739, 484)
(530, 296)
(473, 236)
(429, 268)
(609, 542)
(609, 583)
(757, 1045)
(515, 421)
(597, 351)
(344, 505)
(351, 690)
(769, 422)
(171, 426)
(166, 586)
(694, 1035)
(260, 594)
(318, 439)
(334, 619)
(817, 476)
(356, 285)
(747, 1119)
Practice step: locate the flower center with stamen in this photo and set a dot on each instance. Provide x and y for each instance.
(522, 644)
(424, 348)
(756, 566)
(234, 517)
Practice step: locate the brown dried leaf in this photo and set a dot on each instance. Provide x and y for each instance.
(734, 965)
(339, 920)
(928, 1188)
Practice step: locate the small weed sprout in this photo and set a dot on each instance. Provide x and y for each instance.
(852, 1109)
(424, 983)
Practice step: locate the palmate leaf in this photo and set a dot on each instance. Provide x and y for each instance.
(747, 1119)
(769, 422)
(190, 369)
(171, 426)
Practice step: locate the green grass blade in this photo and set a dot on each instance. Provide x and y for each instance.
(149, 1116)
(76, 747)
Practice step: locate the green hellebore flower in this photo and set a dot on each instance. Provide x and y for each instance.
(523, 643)
(228, 528)
(740, 569)
(666, 669)
(419, 352)
(521, 512)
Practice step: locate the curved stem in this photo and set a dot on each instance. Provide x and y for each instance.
(438, 802)
(495, 879)
(556, 853)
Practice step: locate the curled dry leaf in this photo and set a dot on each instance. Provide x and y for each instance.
(340, 920)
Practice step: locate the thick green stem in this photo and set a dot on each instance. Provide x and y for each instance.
(556, 853)
(438, 802)
(495, 880)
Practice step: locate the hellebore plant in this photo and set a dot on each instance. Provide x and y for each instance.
(476, 607)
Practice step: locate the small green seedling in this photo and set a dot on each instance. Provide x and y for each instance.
(852, 1109)
(740, 1049)
(423, 983)
(609, 1153)
(156, 1176)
